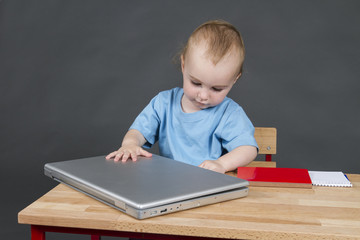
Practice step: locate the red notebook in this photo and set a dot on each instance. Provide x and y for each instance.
(275, 177)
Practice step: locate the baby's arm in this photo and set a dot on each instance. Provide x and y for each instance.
(240, 156)
(130, 147)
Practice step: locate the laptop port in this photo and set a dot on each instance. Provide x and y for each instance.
(164, 210)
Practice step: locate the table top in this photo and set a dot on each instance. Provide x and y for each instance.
(266, 213)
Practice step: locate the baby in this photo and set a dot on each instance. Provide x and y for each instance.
(198, 124)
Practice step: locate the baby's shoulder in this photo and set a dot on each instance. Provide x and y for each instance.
(170, 92)
(169, 95)
(166, 98)
(230, 105)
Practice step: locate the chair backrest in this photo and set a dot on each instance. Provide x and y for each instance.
(266, 140)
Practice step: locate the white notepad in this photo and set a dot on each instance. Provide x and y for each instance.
(329, 179)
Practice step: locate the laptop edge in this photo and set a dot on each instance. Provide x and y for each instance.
(145, 212)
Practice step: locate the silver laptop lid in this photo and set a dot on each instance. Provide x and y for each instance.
(146, 183)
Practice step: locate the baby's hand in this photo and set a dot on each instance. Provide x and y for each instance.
(124, 153)
(213, 165)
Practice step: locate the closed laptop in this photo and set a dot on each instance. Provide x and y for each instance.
(148, 187)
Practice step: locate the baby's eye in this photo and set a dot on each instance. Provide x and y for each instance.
(217, 89)
(196, 83)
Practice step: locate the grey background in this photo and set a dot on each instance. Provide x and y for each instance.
(74, 75)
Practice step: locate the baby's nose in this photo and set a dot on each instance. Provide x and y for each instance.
(203, 94)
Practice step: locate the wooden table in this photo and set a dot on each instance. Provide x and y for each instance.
(266, 213)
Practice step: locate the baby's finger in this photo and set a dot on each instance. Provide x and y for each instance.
(125, 156)
(134, 157)
(145, 153)
(203, 164)
(111, 155)
(118, 156)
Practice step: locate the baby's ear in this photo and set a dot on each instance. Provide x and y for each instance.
(182, 62)
(237, 78)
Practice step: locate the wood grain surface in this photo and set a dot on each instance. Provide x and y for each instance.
(266, 213)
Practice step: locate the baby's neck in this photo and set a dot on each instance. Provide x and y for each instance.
(187, 106)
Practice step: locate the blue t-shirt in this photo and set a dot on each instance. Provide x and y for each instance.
(193, 137)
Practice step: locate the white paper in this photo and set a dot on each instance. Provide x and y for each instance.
(329, 179)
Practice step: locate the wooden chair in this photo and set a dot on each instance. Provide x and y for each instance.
(266, 140)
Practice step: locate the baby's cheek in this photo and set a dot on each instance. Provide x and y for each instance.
(218, 100)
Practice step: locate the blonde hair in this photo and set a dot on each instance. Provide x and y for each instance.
(221, 37)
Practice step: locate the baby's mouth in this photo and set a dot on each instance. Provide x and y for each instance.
(202, 105)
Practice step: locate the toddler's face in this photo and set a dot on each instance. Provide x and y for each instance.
(205, 84)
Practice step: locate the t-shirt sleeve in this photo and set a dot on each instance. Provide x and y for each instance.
(237, 131)
(148, 122)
